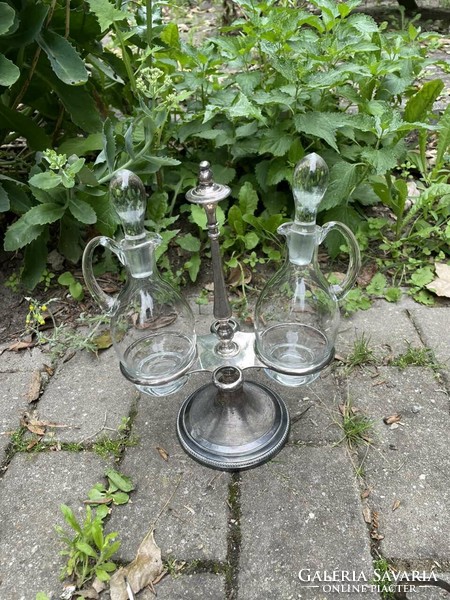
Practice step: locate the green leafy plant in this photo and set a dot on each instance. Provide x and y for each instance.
(89, 550)
(415, 357)
(75, 287)
(355, 425)
(361, 354)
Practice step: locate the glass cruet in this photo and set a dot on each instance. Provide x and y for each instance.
(297, 312)
(152, 326)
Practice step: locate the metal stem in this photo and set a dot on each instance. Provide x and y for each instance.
(208, 194)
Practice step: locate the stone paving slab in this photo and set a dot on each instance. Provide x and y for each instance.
(87, 394)
(31, 492)
(301, 511)
(199, 586)
(408, 464)
(386, 326)
(434, 327)
(16, 371)
(186, 502)
(316, 403)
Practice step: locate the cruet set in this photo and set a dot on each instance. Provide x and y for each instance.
(231, 423)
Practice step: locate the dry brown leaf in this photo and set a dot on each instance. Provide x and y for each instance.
(392, 419)
(367, 514)
(34, 390)
(441, 285)
(365, 493)
(49, 370)
(366, 275)
(163, 453)
(396, 504)
(21, 344)
(239, 276)
(141, 572)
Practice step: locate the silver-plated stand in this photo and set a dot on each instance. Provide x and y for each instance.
(228, 424)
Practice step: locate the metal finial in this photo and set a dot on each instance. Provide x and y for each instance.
(207, 192)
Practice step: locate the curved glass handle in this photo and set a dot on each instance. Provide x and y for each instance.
(102, 298)
(354, 264)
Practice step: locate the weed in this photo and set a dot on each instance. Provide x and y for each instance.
(107, 447)
(354, 425)
(383, 577)
(415, 357)
(173, 566)
(89, 551)
(361, 354)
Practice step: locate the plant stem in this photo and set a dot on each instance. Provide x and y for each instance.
(126, 59)
(149, 28)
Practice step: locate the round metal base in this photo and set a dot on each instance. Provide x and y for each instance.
(233, 431)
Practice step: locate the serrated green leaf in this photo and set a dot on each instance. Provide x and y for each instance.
(242, 107)
(189, 242)
(35, 260)
(7, 16)
(170, 35)
(422, 102)
(276, 141)
(21, 233)
(321, 125)
(79, 104)
(44, 214)
(343, 180)
(4, 199)
(107, 219)
(81, 146)
(46, 180)
(363, 23)
(121, 481)
(13, 120)
(384, 159)
(377, 285)
(422, 276)
(248, 199)
(70, 242)
(106, 13)
(64, 59)
(9, 73)
(82, 211)
(393, 294)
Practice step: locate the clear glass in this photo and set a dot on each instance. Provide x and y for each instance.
(152, 326)
(296, 323)
(297, 313)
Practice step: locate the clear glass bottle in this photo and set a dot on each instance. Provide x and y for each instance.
(152, 326)
(297, 313)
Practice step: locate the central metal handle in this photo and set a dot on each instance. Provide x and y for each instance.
(208, 194)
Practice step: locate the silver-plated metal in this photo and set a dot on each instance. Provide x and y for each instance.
(208, 194)
(231, 424)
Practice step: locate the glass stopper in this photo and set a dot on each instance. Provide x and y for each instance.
(129, 199)
(309, 185)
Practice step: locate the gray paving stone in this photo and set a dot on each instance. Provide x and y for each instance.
(386, 326)
(434, 326)
(409, 464)
(187, 501)
(31, 492)
(202, 586)
(319, 400)
(300, 511)
(16, 369)
(85, 394)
